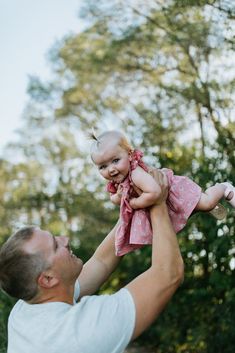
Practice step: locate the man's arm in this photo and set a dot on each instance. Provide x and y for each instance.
(100, 266)
(153, 289)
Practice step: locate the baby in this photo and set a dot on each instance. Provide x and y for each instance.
(123, 167)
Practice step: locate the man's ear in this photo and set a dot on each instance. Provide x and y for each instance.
(47, 280)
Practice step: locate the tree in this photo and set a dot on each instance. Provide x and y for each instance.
(162, 72)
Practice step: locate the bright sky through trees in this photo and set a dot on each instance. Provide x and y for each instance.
(28, 30)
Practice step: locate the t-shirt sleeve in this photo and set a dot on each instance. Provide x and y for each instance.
(105, 323)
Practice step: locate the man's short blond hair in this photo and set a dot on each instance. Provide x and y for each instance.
(19, 270)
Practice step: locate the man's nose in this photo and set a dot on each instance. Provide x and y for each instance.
(64, 240)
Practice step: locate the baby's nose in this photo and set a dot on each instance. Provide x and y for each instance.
(112, 170)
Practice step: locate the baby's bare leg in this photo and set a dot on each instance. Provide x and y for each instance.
(211, 197)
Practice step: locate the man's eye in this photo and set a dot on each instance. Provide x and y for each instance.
(116, 160)
(55, 243)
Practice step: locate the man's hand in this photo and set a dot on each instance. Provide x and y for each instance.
(162, 181)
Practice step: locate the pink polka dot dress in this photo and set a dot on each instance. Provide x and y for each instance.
(134, 229)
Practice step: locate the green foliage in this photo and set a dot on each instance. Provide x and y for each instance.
(6, 304)
(156, 70)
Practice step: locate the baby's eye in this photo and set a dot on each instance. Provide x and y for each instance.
(116, 160)
(101, 167)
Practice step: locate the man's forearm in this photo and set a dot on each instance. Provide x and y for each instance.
(105, 255)
(100, 266)
(165, 249)
(153, 289)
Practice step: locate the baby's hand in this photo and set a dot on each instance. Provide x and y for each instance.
(119, 190)
(116, 198)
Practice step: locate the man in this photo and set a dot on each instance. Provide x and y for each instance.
(41, 271)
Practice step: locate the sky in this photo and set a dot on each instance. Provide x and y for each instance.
(28, 29)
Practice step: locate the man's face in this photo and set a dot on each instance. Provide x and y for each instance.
(56, 251)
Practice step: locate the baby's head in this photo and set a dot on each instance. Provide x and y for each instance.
(111, 153)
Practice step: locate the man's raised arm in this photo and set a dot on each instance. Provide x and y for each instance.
(100, 266)
(153, 289)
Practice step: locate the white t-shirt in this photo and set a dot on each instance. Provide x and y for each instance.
(99, 324)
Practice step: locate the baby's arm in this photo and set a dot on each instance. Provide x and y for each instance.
(150, 189)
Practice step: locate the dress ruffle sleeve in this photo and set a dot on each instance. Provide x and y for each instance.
(111, 188)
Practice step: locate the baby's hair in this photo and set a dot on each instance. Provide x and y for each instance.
(124, 143)
(115, 135)
(92, 136)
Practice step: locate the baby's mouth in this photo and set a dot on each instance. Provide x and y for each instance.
(118, 178)
(114, 177)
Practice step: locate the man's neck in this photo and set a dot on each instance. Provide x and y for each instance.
(55, 294)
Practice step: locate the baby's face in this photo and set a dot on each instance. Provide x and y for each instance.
(113, 162)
